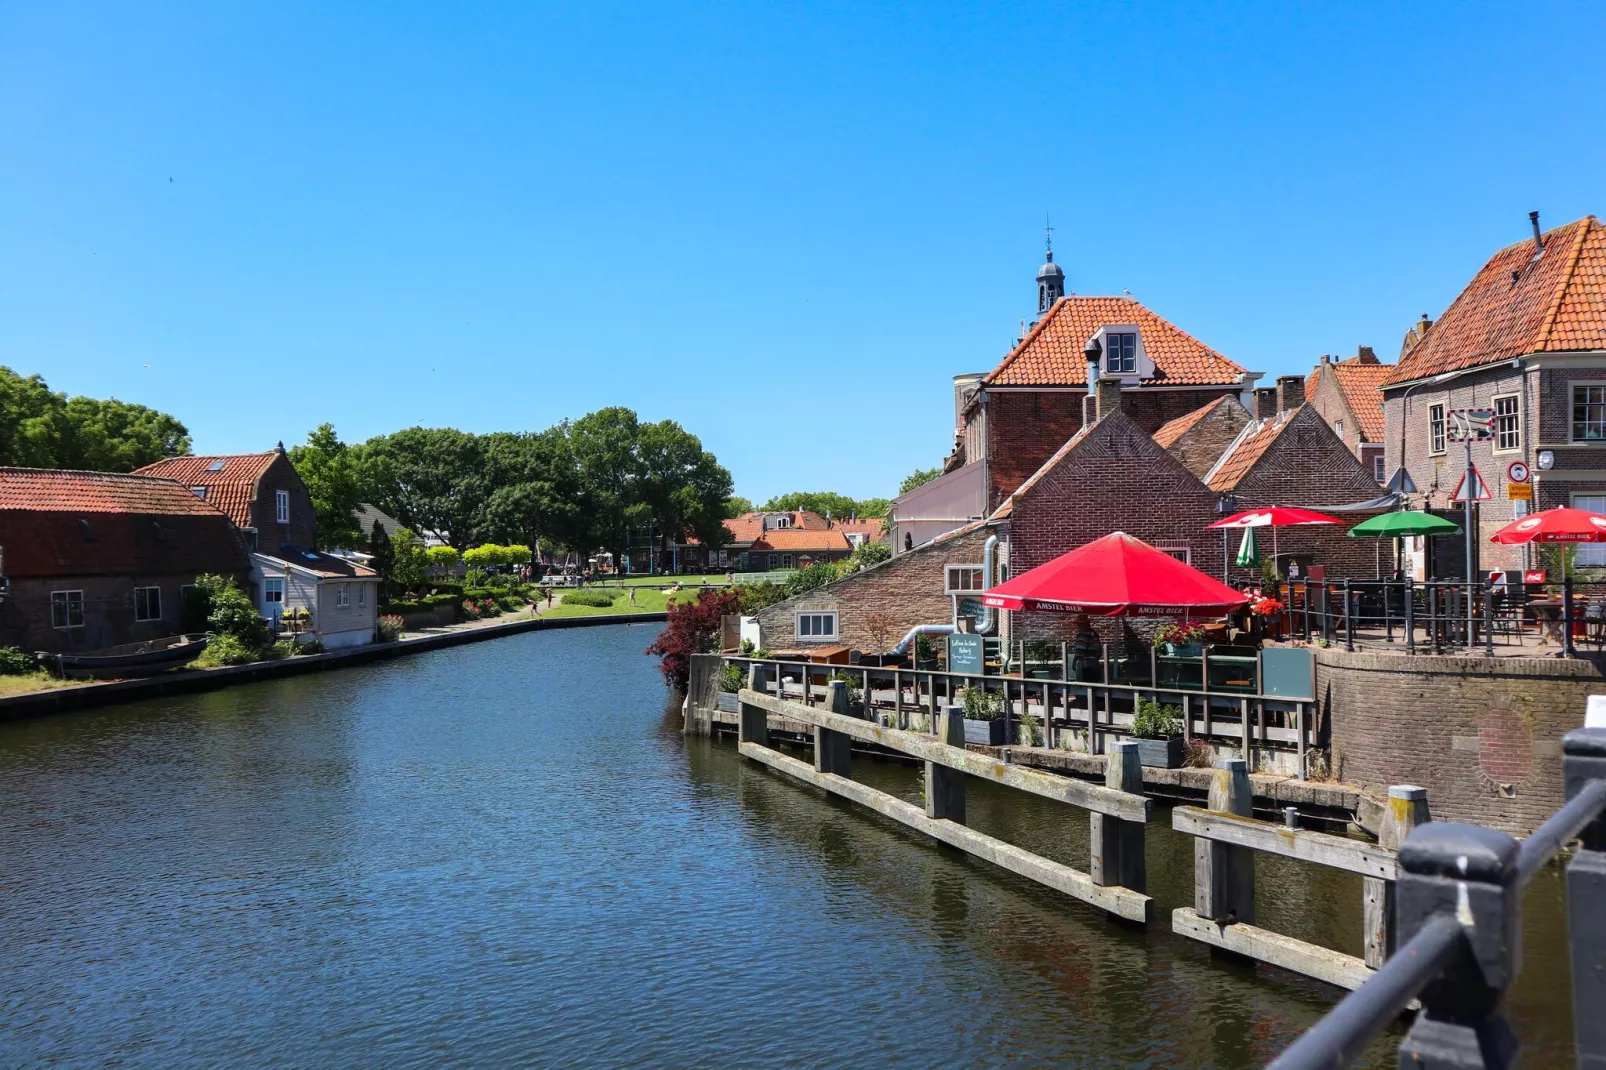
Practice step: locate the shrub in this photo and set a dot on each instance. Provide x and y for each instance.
(388, 629)
(807, 579)
(693, 628)
(445, 557)
(1150, 720)
(228, 650)
(870, 553)
(14, 662)
(982, 705)
(757, 596)
(599, 599)
(307, 646)
(231, 614)
(731, 679)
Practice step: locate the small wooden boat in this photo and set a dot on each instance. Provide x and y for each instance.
(130, 659)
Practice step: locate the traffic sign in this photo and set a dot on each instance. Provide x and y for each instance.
(1519, 492)
(1474, 424)
(1473, 489)
(1517, 472)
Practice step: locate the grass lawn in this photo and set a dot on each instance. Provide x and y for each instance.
(647, 601)
(657, 581)
(34, 681)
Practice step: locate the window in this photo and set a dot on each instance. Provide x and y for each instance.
(1338, 428)
(1377, 468)
(775, 560)
(362, 595)
(1589, 413)
(1507, 424)
(215, 466)
(816, 626)
(273, 591)
(147, 603)
(1435, 428)
(1178, 552)
(1590, 555)
(342, 595)
(964, 579)
(786, 560)
(1120, 353)
(66, 609)
(281, 501)
(199, 492)
(783, 521)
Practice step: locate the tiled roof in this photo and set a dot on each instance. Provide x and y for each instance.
(1519, 303)
(1051, 354)
(869, 526)
(326, 565)
(59, 490)
(749, 526)
(802, 540)
(1256, 439)
(231, 487)
(1360, 384)
(1168, 433)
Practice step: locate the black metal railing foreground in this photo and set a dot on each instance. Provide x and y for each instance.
(1458, 919)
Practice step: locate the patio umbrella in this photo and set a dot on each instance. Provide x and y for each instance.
(1554, 525)
(1249, 550)
(1116, 575)
(1402, 524)
(1274, 517)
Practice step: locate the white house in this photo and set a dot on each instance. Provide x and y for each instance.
(340, 596)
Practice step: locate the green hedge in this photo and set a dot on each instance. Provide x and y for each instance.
(426, 602)
(599, 599)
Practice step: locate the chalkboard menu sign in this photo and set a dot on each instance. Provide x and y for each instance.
(965, 653)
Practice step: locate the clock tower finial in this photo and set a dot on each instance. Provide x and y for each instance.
(1050, 277)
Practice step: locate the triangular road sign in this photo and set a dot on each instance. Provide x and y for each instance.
(1401, 482)
(1473, 489)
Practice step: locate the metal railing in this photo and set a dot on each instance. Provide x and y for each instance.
(1458, 924)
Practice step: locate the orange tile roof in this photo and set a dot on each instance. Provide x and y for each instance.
(803, 539)
(1361, 385)
(60, 490)
(869, 526)
(1051, 354)
(1169, 433)
(1249, 448)
(1555, 303)
(230, 488)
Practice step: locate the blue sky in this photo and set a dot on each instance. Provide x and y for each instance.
(784, 226)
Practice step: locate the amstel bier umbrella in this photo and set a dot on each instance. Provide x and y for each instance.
(1274, 517)
(1554, 525)
(1113, 576)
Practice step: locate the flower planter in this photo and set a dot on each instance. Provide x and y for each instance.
(986, 733)
(727, 702)
(1160, 753)
(1184, 650)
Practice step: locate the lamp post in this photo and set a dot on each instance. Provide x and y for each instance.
(1226, 502)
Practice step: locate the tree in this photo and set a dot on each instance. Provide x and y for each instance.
(681, 484)
(410, 561)
(330, 469)
(443, 557)
(538, 496)
(384, 556)
(918, 478)
(693, 628)
(870, 508)
(432, 479)
(736, 506)
(42, 429)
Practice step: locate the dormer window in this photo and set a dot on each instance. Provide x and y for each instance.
(1121, 353)
(783, 522)
(199, 492)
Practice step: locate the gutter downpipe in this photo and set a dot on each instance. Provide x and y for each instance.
(983, 627)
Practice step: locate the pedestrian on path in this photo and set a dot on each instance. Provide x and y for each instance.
(632, 596)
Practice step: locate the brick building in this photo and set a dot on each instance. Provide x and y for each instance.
(1346, 393)
(1526, 338)
(1203, 435)
(261, 492)
(92, 560)
(764, 540)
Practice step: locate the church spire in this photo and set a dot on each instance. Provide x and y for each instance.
(1050, 277)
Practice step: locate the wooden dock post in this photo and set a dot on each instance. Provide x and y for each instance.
(1407, 808)
(945, 787)
(833, 751)
(1224, 874)
(1116, 846)
(753, 725)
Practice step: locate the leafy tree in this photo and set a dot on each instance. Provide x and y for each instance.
(736, 506)
(867, 554)
(693, 628)
(384, 556)
(807, 579)
(538, 497)
(918, 478)
(432, 479)
(824, 502)
(681, 484)
(443, 556)
(230, 613)
(32, 421)
(485, 556)
(331, 470)
(43, 429)
(410, 561)
(870, 508)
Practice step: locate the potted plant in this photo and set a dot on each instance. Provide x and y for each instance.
(925, 653)
(1042, 661)
(984, 717)
(731, 680)
(1181, 638)
(1157, 730)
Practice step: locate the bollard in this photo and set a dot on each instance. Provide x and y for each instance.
(1349, 619)
(945, 787)
(1488, 622)
(1583, 760)
(1291, 817)
(1407, 809)
(1469, 874)
(1224, 874)
(754, 723)
(1116, 846)
(833, 751)
(1410, 612)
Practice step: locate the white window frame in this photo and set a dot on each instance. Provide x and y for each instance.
(1573, 386)
(1173, 551)
(268, 591)
(948, 585)
(362, 596)
(150, 592)
(342, 595)
(1110, 367)
(199, 492)
(281, 506)
(786, 560)
(1516, 420)
(68, 600)
(1379, 468)
(1338, 429)
(1436, 449)
(775, 561)
(811, 632)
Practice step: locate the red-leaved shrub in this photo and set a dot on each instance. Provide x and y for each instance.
(693, 629)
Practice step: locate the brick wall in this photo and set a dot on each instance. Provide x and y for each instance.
(25, 619)
(1482, 736)
(302, 530)
(1331, 403)
(1207, 440)
(908, 589)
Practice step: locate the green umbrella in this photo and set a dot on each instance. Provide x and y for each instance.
(1249, 550)
(1401, 524)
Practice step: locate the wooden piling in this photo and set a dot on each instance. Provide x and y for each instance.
(833, 751)
(1224, 874)
(945, 786)
(754, 723)
(1407, 808)
(1116, 846)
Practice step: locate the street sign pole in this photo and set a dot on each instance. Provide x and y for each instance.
(1469, 519)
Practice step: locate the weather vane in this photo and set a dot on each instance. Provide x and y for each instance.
(1048, 233)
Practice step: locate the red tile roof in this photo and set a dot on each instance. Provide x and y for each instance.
(803, 540)
(1051, 354)
(1519, 303)
(1257, 438)
(231, 488)
(1361, 385)
(1168, 433)
(59, 490)
(749, 526)
(866, 526)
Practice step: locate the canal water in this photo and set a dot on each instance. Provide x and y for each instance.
(505, 853)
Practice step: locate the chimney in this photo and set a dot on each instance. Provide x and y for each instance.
(1265, 402)
(1290, 392)
(1108, 399)
(1327, 358)
(1364, 355)
(1539, 242)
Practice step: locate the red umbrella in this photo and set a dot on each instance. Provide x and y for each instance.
(1116, 575)
(1274, 517)
(1554, 525)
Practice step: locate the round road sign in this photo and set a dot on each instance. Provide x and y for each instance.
(1517, 472)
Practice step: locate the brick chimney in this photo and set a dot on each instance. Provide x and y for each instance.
(1364, 355)
(1109, 395)
(1265, 402)
(1290, 392)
